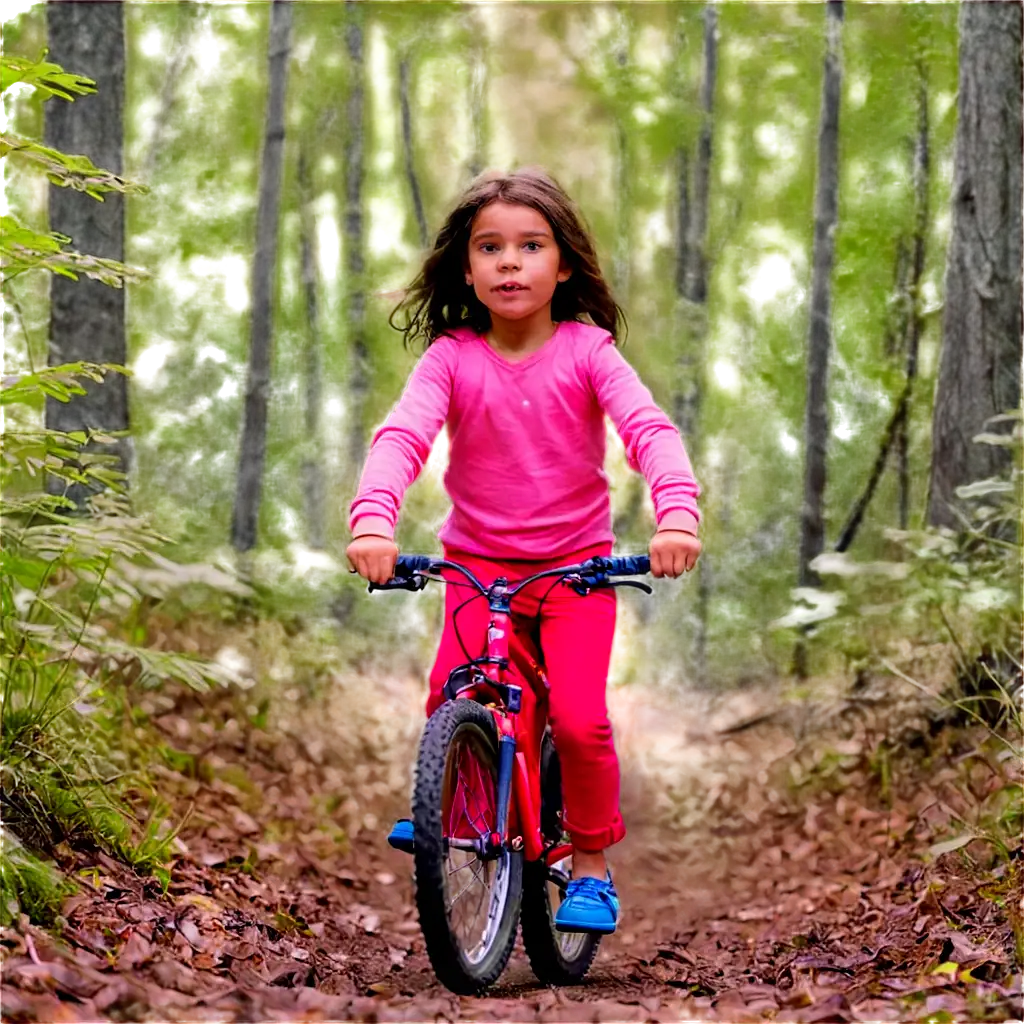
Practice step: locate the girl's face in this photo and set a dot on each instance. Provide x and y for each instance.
(514, 261)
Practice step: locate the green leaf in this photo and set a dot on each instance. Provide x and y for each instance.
(982, 487)
(46, 78)
(76, 172)
(951, 844)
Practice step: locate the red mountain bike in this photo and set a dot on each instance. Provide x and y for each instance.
(488, 843)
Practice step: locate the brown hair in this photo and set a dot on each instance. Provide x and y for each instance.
(439, 300)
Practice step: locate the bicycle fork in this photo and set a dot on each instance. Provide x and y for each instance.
(494, 664)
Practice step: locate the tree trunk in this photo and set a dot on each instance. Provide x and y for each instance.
(252, 453)
(407, 146)
(479, 122)
(313, 461)
(979, 370)
(819, 336)
(625, 516)
(692, 297)
(691, 251)
(622, 250)
(355, 294)
(86, 317)
(730, 462)
(188, 21)
(913, 320)
(905, 337)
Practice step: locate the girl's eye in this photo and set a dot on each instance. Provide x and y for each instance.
(532, 246)
(488, 247)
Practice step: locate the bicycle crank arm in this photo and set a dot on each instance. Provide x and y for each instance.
(559, 877)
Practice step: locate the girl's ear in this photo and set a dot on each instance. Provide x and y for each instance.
(564, 271)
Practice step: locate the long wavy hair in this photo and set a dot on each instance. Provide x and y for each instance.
(439, 300)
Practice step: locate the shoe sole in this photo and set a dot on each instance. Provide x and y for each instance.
(589, 930)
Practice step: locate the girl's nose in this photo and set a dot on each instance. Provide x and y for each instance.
(509, 259)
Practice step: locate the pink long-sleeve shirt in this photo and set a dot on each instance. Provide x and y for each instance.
(527, 445)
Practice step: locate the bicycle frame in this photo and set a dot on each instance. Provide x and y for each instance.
(520, 720)
(509, 680)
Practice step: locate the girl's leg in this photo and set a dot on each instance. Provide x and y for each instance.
(576, 636)
(471, 622)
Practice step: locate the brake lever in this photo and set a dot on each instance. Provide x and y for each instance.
(580, 583)
(632, 583)
(584, 586)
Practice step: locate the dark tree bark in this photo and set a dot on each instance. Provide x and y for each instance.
(692, 297)
(479, 122)
(922, 164)
(312, 461)
(409, 150)
(622, 250)
(626, 516)
(979, 369)
(86, 317)
(355, 288)
(160, 129)
(819, 333)
(252, 452)
(819, 336)
(691, 247)
(730, 462)
(905, 337)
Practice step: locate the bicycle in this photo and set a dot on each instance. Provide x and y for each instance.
(488, 842)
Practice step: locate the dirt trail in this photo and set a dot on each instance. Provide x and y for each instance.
(739, 903)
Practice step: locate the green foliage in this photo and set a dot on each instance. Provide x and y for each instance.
(71, 586)
(47, 79)
(195, 125)
(27, 884)
(960, 587)
(960, 590)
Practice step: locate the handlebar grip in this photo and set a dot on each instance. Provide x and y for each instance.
(408, 564)
(405, 577)
(629, 565)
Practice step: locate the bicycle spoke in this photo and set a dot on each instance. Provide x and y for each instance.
(458, 896)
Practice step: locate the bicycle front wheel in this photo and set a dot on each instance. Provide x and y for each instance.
(468, 901)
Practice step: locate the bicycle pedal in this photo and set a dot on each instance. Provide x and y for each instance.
(401, 836)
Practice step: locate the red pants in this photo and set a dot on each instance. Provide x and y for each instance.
(576, 638)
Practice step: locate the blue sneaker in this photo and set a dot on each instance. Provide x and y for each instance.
(590, 905)
(401, 835)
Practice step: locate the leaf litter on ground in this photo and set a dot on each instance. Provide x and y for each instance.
(743, 900)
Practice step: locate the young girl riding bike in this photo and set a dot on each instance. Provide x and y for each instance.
(521, 366)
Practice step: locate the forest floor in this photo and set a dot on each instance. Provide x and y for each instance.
(776, 868)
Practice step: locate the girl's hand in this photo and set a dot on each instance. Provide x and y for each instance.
(373, 557)
(673, 552)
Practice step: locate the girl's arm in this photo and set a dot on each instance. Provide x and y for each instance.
(401, 446)
(653, 445)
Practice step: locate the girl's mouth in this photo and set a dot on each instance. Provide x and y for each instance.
(510, 287)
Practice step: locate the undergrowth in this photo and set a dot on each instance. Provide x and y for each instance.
(70, 572)
(944, 619)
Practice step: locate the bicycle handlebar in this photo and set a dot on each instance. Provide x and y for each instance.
(410, 570)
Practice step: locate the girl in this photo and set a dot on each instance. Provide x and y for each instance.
(521, 366)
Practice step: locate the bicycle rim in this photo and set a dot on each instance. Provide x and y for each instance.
(475, 889)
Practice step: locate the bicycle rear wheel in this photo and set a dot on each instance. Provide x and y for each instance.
(557, 958)
(468, 903)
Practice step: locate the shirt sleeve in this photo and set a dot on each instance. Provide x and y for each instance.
(653, 445)
(401, 446)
